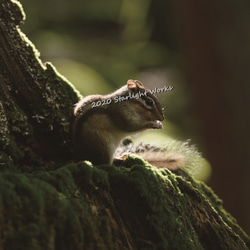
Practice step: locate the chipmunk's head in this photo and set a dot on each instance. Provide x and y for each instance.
(147, 105)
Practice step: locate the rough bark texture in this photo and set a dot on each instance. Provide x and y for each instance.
(49, 202)
(36, 103)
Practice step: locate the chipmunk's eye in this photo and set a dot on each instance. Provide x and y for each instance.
(149, 102)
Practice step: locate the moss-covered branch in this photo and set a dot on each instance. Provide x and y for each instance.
(49, 202)
(84, 207)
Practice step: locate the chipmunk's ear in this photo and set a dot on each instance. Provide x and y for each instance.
(134, 84)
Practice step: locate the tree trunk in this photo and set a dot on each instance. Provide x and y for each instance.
(36, 103)
(215, 39)
(47, 201)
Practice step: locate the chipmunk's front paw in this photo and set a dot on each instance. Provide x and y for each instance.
(119, 159)
(157, 125)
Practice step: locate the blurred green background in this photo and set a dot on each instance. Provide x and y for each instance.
(99, 45)
(200, 48)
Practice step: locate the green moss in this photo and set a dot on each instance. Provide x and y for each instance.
(154, 208)
(36, 102)
(217, 204)
(4, 131)
(9, 151)
(34, 213)
(46, 211)
(107, 207)
(167, 212)
(15, 12)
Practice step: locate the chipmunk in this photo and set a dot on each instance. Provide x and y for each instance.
(102, 121)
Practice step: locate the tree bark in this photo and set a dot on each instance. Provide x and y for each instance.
(48, 201)
(36, 103)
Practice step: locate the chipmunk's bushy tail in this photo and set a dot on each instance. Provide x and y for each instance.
(173, 155)
(163, 159)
